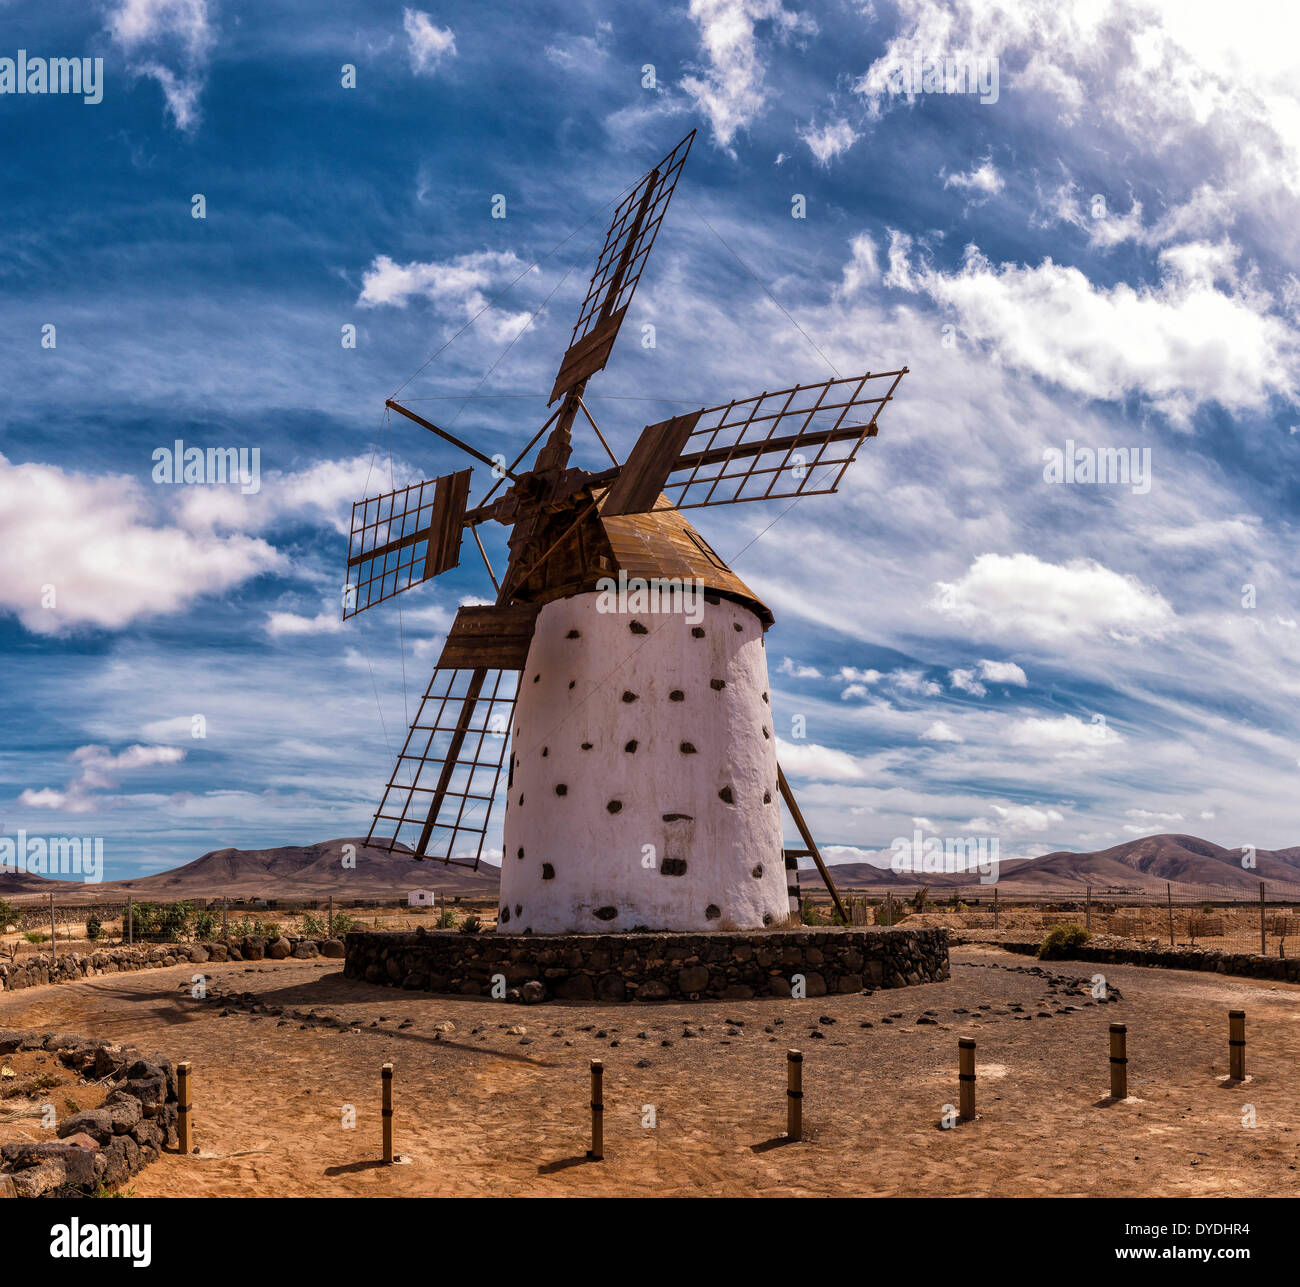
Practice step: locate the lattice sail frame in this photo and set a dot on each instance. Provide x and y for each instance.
(401, 538)
(457, 833)
(632, 233)
(778, 445)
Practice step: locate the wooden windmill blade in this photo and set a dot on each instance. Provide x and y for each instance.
(632, 233)
(439, 799)
(794, 442)
(402, 538)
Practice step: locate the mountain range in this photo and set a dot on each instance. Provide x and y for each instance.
(318, 871)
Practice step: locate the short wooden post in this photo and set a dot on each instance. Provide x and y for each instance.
(1237, 1045)
(387, 1074)
(130, 923)
(1087, 910)
(794, 1094)
(1263, 938)
(54, 940)
(225, 908)
(995, 907)
(597, 1150)
(1169, 896)
(1118, 1061)
(184, 1128)
(966, 1078)
(329, 919)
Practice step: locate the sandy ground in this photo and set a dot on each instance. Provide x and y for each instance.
(482, 1110)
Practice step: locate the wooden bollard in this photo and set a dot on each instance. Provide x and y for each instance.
(597, 1150)
(1118, 1061)
(1237, 1045)
(794, 1094)
(184, 1127)
(966, 1078)
(387, 1074)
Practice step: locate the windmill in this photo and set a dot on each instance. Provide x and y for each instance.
(635, 740)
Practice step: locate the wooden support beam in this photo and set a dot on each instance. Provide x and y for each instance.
(788, 796)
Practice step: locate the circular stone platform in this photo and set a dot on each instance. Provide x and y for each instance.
(649, 967)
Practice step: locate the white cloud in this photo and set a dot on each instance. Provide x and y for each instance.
(982, 180)
(1023, 819)
(168, 40)
(1063, 735)
(729, 90)
(830, 141)
(789, 666)
(965, 681)
(429, 44)
(1003, 672)
(87, 546)
(1146, 815)
(1206, 332)
(968, 680)
(913, 681)
(940, 732)
(1019, 594)
(458, 283)
(863, 268)
(100, 770)
(290, 623)
(808, 760)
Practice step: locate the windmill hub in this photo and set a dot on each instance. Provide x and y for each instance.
(641, 775)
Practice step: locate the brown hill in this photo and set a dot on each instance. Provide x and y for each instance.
(1137, 866)
(291, 871)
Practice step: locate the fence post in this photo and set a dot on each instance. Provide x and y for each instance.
(1237, 1045)
(1263, 939)
(1169, 898)
(1118, 1061)
(597, 1150)
(794, 1094)
(54, 940)
(329, 921)
(966, 1078)
(1087, 911)
(387, 1073)
(225, 907)
(130, 923)
(995, 907)
(184, 1134)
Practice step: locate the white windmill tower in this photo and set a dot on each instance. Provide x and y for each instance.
(642, 785)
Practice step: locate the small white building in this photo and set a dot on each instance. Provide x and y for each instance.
(421, 898)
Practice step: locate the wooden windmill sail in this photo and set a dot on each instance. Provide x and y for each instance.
(571, 530)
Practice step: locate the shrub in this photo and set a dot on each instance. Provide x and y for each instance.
(447, 919)
(342, 924)
(1060, 940)
(35, 936)
(808, 913)
(205, 925)
(8, 915)
(94, 927)
(472, 924)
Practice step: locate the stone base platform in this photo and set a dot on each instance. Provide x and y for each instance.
(727, 965)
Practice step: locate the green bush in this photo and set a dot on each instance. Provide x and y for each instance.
(35, 936)
(8, 915)
(94, 927)
(447, 919)
(1061, 940)
(205, 925)
(472, 924)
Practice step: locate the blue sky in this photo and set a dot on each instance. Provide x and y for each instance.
(1104, 255)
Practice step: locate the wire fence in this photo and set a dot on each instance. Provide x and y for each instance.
(34, 927)
(1240, 921)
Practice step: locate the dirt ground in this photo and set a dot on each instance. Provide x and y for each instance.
(483, 1110)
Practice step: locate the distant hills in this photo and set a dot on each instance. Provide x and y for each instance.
(288, 872)
(317, 871)
(1137, 866)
